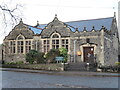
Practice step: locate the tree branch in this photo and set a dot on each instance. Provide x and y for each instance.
(10, 12)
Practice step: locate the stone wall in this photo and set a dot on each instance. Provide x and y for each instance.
(110, 49)
(14, 58)
(48, 67)
(81, 40)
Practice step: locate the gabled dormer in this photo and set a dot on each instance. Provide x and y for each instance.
(20, 29)
(56, 26)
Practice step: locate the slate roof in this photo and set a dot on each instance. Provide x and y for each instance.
(35, 29)
(97, 23)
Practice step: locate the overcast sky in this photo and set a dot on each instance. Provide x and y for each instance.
(67, 10)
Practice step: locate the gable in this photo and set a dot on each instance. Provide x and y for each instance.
(56, 26)
(20, 29)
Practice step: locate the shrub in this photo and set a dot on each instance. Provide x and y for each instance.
(19, 62)
(50, 56)
(63, 53)
(9, 63)
(117, 63)
(34, 56)
(40, 58)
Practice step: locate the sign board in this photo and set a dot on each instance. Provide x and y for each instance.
(59, 58)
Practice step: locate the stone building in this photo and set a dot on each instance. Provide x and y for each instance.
(119, 25)
(90, 41)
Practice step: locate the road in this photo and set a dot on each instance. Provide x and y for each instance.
(12, 79)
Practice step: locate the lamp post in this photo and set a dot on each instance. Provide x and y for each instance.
(36, 46)
(75, 50)
(2, 53)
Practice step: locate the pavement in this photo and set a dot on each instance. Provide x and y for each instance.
(68, 73)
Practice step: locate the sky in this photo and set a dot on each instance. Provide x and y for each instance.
(67, 10)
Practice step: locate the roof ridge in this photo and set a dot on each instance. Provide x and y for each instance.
(88, 19)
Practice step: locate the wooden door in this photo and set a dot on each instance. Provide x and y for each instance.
(88, 54)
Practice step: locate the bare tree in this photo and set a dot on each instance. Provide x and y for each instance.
(12, 13)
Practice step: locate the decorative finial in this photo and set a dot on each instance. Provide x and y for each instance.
(114, 14)
(21, 20)
(103, 27)
(93, 28)
(55, 19)
(55, 15)
(84, 29)
(37, 22)
(77, 30)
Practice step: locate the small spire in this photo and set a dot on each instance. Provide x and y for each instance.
(84, 29)
(37, 22)
(21, 20)
(114, 14)
(55, 15)
(93, 28)
(76, 30)
(103, 28)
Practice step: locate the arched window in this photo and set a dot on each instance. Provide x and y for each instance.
(20, 44)
(55, 36)
(20, 37)
(55, 41)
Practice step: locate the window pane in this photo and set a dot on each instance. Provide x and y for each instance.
(57, 46)
(21, 49)
(21, 42)
(13, 49)
(63, 41)
(10, 49)
(26, 42)
(67, 47)
(48, 48)
(48, 42)
(26, 49)
(63, 46)
(53, 41)
(57, 41)
(66, 41)
(18, 49)
(44, 41)
(11, 43)
(18, 42)
(44, 48)
(29, 42)
(29, 47)
(53, 46)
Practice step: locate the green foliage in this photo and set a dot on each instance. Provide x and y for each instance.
(19, 62)
(63, 53)
(40, 58)
(11, 63)
(34, 56)
(117, 63)
(50, 56)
